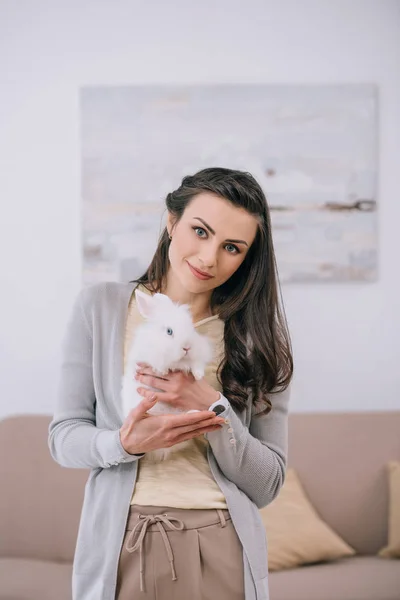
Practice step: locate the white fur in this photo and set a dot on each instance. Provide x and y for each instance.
(151, 344)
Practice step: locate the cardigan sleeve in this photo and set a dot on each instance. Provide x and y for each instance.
(73, 438)
(254, 458)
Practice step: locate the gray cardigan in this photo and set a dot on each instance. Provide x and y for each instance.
(249, 466)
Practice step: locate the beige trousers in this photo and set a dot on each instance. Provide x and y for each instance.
(180, 554)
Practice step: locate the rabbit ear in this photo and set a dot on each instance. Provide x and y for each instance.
(145, 304)
(161, 298)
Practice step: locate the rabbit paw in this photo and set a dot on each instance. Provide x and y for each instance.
(198, 374)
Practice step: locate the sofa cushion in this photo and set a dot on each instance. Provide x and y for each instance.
(26, 579)
(354, 578)
(392, 550)
(295, 532)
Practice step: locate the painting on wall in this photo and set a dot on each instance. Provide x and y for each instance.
(313, 149)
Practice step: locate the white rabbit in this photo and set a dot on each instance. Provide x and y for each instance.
(167, 340)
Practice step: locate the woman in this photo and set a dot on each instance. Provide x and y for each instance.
(188, 527)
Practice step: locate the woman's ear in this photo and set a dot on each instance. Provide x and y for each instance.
(170, 223)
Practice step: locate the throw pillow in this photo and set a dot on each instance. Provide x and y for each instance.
(392, 550)
(296, 534)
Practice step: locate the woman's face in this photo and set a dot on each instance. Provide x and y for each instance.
(213, 236)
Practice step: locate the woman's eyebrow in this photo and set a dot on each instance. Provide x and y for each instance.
(211, 230)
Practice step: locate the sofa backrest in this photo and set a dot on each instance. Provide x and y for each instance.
(341, 461)
(340, 458)
(40, 501)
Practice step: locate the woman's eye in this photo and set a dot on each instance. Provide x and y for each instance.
(169, 331)
(196, 229)
(235, 249)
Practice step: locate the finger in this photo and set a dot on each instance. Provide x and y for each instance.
(145, 379)
(195, 430)
(146, 393)
(145, 371)
(215, 421)
(143, 406)
(189, 421)
(190, 435)
(151, 380)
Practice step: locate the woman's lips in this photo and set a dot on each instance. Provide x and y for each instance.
(197, 273)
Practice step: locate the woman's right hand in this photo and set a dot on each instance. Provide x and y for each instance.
(141, 432)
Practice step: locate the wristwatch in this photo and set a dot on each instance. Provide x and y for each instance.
(220, 405)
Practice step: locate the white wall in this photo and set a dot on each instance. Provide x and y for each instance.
(346, 337)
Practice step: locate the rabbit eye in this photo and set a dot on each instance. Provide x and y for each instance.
(169, 331)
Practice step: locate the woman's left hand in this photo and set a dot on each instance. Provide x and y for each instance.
(178, 389)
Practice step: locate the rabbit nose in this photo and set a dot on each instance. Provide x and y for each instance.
(187, 349)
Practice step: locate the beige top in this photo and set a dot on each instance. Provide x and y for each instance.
(184, 479)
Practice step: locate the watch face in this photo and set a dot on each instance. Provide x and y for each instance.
(219, 409)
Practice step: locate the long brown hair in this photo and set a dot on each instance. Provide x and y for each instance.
(258, 357)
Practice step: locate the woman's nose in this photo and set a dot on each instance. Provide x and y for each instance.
(207, 260)
(208, 255)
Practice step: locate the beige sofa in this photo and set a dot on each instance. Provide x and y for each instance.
(340, 459)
